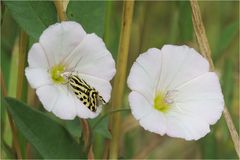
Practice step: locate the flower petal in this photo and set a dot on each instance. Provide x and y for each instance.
(63, 103)
(140, 107)
(92, 57)
(154, 122)
(102, 86)
(202, 96)
(60, 39)
(48, 95)
(179, 65)
(37, 77)
(144, 73)
(64, 106)
(185, 125)
(194, 94)
(37, 57)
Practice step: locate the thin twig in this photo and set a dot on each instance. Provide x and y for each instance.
(60, 10)
(119, 82)
(205, 49)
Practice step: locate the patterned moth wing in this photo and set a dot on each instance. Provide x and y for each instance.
(85, 93)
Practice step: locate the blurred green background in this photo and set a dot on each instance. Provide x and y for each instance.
(155, 23)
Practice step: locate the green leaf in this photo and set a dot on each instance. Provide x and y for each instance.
(9, 31)
(33, 16)
(208, 144)
(90, 14)
(74, 128)
(101, 127)
(185, 21)
(225, 39)
(49, 138)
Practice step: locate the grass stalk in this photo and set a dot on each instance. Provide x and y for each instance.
(23, 41)
(107, 24)
(119, 81)
(60, 10)
(205, 50)
(16, 144)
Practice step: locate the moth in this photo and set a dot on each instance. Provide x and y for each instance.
(84, 92)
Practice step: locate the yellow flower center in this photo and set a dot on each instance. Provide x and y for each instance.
(160, 103)
(56, 72)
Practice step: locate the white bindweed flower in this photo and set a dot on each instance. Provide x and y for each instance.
(174, 93)
(65, 49)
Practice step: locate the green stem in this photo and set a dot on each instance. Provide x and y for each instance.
(108, 14)
(119, 81)
(107, 114)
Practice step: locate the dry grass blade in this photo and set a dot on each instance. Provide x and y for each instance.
(200, 32)
(205, 50)
(232, 130)
(60, 10)
(119, 81)
(23, 41)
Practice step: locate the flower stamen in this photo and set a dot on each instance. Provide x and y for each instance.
(160, 103)
(56, 74)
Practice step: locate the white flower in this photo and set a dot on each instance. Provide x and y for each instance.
(66, 48)
(174, 93)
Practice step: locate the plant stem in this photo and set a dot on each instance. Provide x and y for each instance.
(119, 82)
(86, 134)
(107, 24)
(3, 86)
(23, 41)
(16, 145)
(200, 32)
(205, 50)
(90, 153)
(107, 114)
(60, 10)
